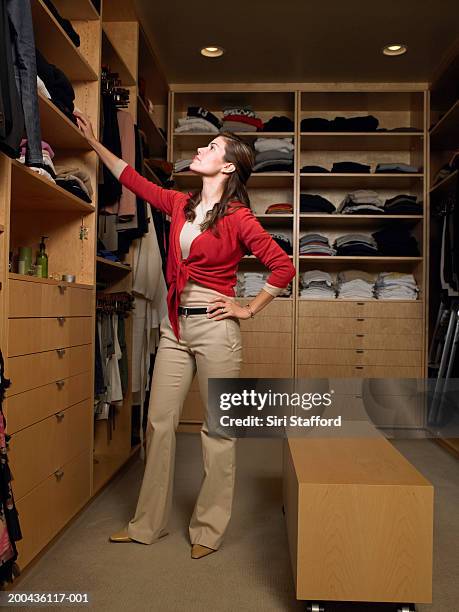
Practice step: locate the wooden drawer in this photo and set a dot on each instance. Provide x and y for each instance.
(48, 507)
(261, 355)
(38, 451)
(365, 325)
(276, 308)
(38, 369)
(349, 371)
(267, 324)
(266, 370)
(342, 308)
(359, 357)
(33, 336)
(25, 409)
(34, 299)
(266, 340)
(193, 408)
(359, 341)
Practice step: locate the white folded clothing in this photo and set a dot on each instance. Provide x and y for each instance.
(189, 124)
(182, 164)
(278, 144)
(316, 275)
(41, 87)
(237, 126)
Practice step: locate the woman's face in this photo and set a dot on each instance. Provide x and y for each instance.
(209, 161)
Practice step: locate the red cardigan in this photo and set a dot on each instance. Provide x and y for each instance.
(212, 261)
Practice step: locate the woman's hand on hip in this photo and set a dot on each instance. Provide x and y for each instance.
(220, 309)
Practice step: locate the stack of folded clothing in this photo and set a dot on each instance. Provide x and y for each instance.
(65, 23)
(283, 241)
(76, 181)
(46, 168)
(241, 119)
(315, 244)
(356, 245)
(315, 203)
(403, 204)
(351, 166)
(273, 154)
(313, 169)
(251, 283)
(280, 208)
(396, 167)
(396, 240)
(355, 284)
(182, 164)
(365, 123)
(279, 124)
(361, 202)
(316, 284)
(396, 286)
(57, 85)
(198, 119)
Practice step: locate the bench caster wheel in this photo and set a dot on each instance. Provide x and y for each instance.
(406, 608)
(314, 607)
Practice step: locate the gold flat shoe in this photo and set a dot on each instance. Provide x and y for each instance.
(120, 536)
(198, 551)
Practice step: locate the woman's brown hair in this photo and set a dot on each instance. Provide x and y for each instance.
(240, 154)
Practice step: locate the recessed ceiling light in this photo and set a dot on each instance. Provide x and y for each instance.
(212, 51)
(395, 49)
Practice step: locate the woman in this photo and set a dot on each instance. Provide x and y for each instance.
(211, 231)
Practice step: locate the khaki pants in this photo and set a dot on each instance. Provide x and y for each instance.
(213, 349)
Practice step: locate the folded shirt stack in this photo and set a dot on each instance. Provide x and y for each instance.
(280, 208)
(182, 164)
(403, 204)
(250, 284)
(315, 244)
(365, 123)
(397, 167)
(351, 166)
(355, 284)
(241, 119)
(396, 240)
(57, 85)
(313, 169)
(362, 202)
(315, 203)
(273, 154)
(279, 124)
(283, 241)
(75, 180)
(317, 284)
(356, 245)
(198, 119)
(45, 169)
(396, 286)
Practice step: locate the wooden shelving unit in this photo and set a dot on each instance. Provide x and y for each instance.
(58, 129)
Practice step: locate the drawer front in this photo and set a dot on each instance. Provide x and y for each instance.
(360, 341)
(31, 371)
(267, 324)
(382, 309)
(261, 355)
(276, 308)
(38, 451)
(48, 507)
(266, 340)
(36, 335)
(366, 325)
(347, 371)
(193, 408)
(359, 357)
(266, 370)
(32, 299)
(25, 409)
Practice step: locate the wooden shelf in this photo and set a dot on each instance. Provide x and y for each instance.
(445, 133)
(258, 179)
(252, 257)
(30, 191)
(356, 258)
(111, 57)
(56, 46)
(192, 140)
(47, 281)
(77, 10)
(339, 299)
(56, 128)
(113, 266)
(361, 141)
(156, 141)
(445, 184)
(365, 218)
(338, 179)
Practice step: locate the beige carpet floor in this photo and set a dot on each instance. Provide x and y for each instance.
(250, 572)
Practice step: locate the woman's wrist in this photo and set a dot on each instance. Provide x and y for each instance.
(250, 309)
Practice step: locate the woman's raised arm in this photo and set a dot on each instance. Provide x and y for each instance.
(163, 199)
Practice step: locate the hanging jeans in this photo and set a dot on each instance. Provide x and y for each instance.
(213, 349)
(25, 67)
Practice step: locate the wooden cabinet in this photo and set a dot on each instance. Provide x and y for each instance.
(31, 336)
(49, 299)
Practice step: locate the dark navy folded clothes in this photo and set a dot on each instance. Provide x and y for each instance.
(310, 202)
(274, 166)
(357, 249)
(283, 242)
(314, 169)
(108, 255)
(397, 241)
(365, 123)
(279, 124)
(350, 166)
(73, 187)
(203, 113)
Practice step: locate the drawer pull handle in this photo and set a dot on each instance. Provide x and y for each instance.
(360, 335)
(62, 288)
(359, 351)
(60, 416)
(360, 319)
(61, 320)
(359, 367)
(60, 383)
(59, 474)
(60, 352)
(360, 303)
